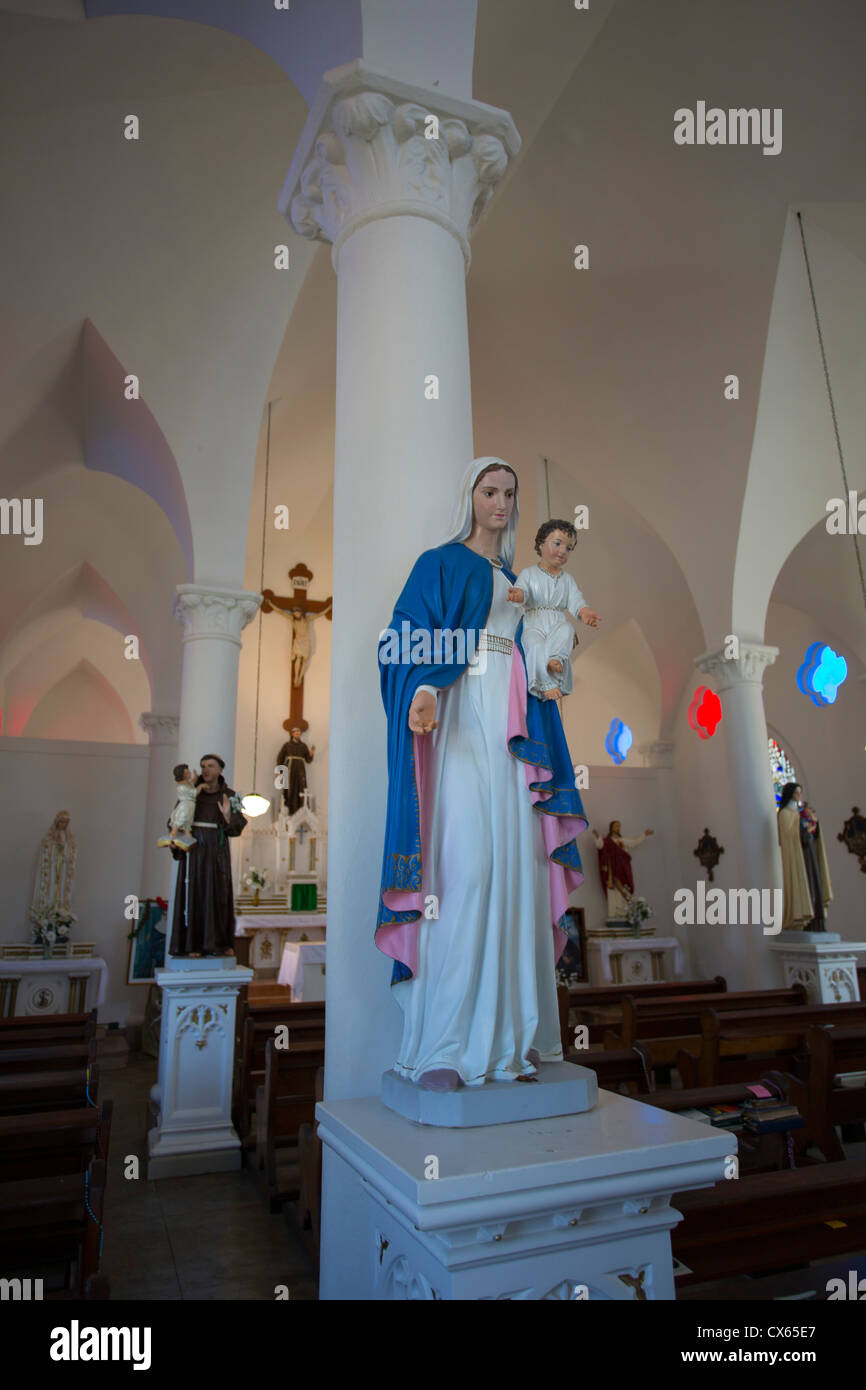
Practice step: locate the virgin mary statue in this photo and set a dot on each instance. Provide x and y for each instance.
(480, 839)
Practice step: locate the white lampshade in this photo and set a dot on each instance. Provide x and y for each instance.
(254, 805)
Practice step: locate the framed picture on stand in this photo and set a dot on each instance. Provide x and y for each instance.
(573, 963)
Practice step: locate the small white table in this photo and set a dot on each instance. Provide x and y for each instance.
(295, 970)
(624, 960)
(63, 985)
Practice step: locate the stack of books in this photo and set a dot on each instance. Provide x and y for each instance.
(767, 1116)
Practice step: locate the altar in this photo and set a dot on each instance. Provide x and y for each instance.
(260, 936)
(618, 960)
(57, 985)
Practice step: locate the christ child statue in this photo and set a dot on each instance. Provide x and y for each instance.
(548, 593)
(181, 819)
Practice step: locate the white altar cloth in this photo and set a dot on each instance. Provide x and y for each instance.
(43, 986)
(297, 955)
(278, 921)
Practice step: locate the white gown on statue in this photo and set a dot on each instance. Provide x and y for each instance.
(547, 632)
(485, 988)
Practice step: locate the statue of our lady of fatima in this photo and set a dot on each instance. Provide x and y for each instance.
(482, 818)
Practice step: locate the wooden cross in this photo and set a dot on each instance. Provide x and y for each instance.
(297, 604)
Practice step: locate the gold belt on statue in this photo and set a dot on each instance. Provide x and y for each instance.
(540, 608)
(489, 642)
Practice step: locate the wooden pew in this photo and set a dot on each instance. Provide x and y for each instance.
(48, 1143)
(309, 1206)
(23, 1092)
(771, 1220)
(822, 1103)
(47, 1057)
(666, 1026)
(54, 1220)
(733, 1045)
(25, 1030)
(599, 1007)
(613, 1069)
(288, 1101)
(305, 1022)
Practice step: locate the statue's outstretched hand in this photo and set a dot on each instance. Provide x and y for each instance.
(649, 832)
(422, 713)
(515, 595)
(589, 617)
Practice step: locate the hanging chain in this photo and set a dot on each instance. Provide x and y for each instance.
(261, 587)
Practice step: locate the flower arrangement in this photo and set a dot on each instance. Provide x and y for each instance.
(236, 802)
(639, 911)
(255, 880)
(50, 927)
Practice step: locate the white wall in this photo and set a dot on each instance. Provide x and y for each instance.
(104, 788)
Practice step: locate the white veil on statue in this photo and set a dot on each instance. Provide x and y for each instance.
(461, 525)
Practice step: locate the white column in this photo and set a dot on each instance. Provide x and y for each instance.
(659, 755)
(156, 864)
(738, 681)
(398, 209)
(213, 620)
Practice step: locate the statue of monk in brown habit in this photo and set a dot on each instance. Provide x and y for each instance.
(204, 909)
(294, 755)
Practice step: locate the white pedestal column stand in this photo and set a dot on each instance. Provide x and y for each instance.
(194, 1133)
(739, 682)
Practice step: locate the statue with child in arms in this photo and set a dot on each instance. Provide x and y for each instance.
(483, 815)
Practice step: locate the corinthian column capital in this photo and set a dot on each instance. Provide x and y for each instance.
(375, 147)
(160, 728)
(214, 612)
(746, 668)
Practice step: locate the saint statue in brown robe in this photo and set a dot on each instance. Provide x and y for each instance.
(204, 910)
(295, 755)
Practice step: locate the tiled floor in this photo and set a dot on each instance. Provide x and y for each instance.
(208, 1237)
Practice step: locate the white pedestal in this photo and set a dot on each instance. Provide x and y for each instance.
(822, 962)
(633, 960)
(564, 1209)
(196, 1055)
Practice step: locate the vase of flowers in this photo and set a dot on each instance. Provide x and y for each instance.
(51, 928)
(254, 881)
(639, 911)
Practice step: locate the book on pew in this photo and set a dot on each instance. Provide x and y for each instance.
(767, 1117)
(693, 1114)
(767, 1126)
(725, 1116)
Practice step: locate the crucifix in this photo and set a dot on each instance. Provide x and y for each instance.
(300, 611)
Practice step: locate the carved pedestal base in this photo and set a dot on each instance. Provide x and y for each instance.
(194, 1133)
(572, 1208)
(826, 966)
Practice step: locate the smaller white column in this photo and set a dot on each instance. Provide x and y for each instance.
(196, 1054)
(213, 620)
(739, 681)
(156, 864)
